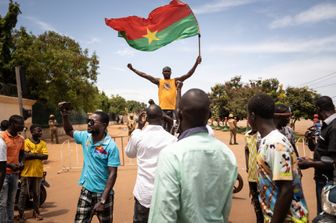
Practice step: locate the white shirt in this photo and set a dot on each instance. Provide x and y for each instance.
(210, 131)
(145, 145)
(3, 150)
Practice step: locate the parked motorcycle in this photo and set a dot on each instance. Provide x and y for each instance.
(43, 193)
(328, 197)
(238, 186)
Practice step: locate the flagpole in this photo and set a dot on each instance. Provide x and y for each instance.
(199, 44)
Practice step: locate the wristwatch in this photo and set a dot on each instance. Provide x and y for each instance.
(102, 201)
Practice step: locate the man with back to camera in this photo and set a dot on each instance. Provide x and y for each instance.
(145, 144)
(195, 176)
(167, 87)
(15, 155)
(326, 146)
(99, 173)
(279, 183)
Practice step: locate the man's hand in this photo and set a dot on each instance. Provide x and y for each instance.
(65, 108)
(179, 85)
(142, 120)
(99, 207)
(130, 66)
(199, 60)
(13, 166)
(305, 163)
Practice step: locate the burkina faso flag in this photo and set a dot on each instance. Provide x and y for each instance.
(163, 25)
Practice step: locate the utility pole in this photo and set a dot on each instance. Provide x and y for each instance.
(19, 89)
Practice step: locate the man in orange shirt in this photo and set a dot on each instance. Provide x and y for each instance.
(167, 87)
(15, 153)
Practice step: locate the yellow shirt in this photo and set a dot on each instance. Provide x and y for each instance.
(34, 168)
(167, 94)
(251, 143)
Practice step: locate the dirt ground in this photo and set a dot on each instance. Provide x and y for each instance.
(65, 161)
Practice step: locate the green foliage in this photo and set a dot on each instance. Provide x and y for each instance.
(118, 105)
(135, 106)
(301, 101)
(232, 97)
(7, 24)
(57, 69)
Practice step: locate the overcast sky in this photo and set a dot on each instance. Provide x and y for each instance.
(291, 40)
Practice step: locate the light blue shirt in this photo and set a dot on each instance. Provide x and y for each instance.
(97, 158)
(194, 181)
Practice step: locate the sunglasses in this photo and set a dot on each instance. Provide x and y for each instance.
(92, 122)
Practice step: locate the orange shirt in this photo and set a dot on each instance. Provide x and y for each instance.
(167, 94)
(14, 145)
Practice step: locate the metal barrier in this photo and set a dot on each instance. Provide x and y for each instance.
(66, 152)
(303, 145)
(66, 156)
(120, 145)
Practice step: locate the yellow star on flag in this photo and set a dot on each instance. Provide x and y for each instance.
(151, 36)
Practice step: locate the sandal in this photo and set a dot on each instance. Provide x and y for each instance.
(37, 216)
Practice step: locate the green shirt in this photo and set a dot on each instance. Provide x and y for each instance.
(194, 181)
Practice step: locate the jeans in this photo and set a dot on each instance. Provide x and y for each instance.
(319, 186)
(7, 198)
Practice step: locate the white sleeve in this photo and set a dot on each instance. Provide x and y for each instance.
(131, 148)
(3, 150)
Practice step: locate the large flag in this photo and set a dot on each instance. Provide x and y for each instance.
(163, 25)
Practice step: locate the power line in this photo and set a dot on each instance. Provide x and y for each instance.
(323, 80)
(327, 85)
(320, 78)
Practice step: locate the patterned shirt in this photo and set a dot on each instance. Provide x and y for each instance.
(251, 144)
(277, 161)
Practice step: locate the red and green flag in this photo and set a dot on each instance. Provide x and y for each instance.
(163, 25)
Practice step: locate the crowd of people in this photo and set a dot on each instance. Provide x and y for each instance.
(22, 158)
(183, 177)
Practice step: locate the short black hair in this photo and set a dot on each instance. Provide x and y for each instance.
(4, 125)
(153, 111)
(33, 126)
(325, 103)
(15, 119)
(261, 105)
(103, 117)
(166, 68)
(281, 108)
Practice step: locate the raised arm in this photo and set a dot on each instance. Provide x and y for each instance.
(67, 126)
(144, 75)
(191, 71)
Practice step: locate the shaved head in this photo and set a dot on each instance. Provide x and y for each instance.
(194, 108)
(154, 113)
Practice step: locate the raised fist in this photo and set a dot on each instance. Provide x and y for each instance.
(65, 107)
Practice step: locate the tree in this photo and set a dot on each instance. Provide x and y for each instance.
(219, 101)
(7, 25)
(57, 69)
(301, 101)
(135, 106)
(232, 96)
(118, 105)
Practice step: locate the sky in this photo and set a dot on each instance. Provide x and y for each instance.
(291, 40)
